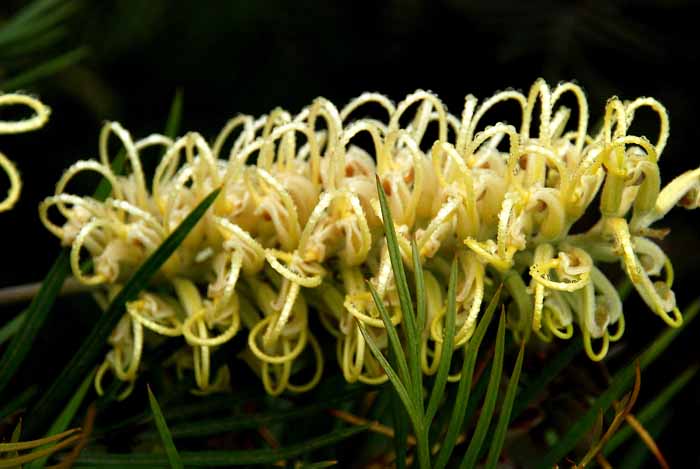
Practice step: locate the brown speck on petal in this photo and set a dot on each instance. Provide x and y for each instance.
(386, 184)
(408, 177)
(523, 162)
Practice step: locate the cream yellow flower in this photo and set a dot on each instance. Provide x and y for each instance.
(297, 230)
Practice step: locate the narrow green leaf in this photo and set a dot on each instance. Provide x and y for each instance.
(16, 433)
(621, 382)
(9, 451)
(409, 320)
(165, 436)
(393, 377)
(651, 410)
(489, 404)
(220, 458)
(65, 418)
(46, 69)
(477, 395)
(91, 348)
(499, 435)
(414, 340)
(515, 285)
(173, 124)
(35, 316)
(394, 341)
(200, 427)
(447, 340)
(34, 19)
(465, 383)
(43, 40)
(11, 327)
(31, 11)
(196, 411)
(400, 420)
(420, 287)
(555, 365)
(414, 403)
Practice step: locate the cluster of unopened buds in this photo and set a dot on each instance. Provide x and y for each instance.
(297, 229)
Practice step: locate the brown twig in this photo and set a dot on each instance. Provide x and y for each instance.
(374, 426)
(22, 293)
(88, 425)
(604, 463)
(620, 416)
(269, 438)
(647, 439)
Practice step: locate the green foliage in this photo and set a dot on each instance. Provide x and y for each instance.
(201, 427)
(465, 384)
(33, 42)
(220, 458)
(64, 420)
(11, 327)
(421, 417)
(489, 405)
(653, 409)
(164, 431)
(621, 382)
(506, 410)
(34, 318)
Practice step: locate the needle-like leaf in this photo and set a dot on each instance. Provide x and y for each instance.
(489, 404)
(393, 377)
(164, 431)
(499, 434)
(219, 458)
(34, 318)
(447, 340)
(47, 68)
(465, 383)
(394, 341)
(11, 328)
(409, 320)
(400, 420)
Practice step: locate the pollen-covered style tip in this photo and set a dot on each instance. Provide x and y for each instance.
(297, 229)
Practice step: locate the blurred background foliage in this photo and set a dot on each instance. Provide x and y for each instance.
(124, 60)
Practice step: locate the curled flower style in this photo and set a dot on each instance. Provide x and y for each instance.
(36, 121)
(297, 232)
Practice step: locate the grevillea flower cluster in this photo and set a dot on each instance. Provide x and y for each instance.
(297, 229)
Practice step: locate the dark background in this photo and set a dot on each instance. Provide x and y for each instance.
(234, 57)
